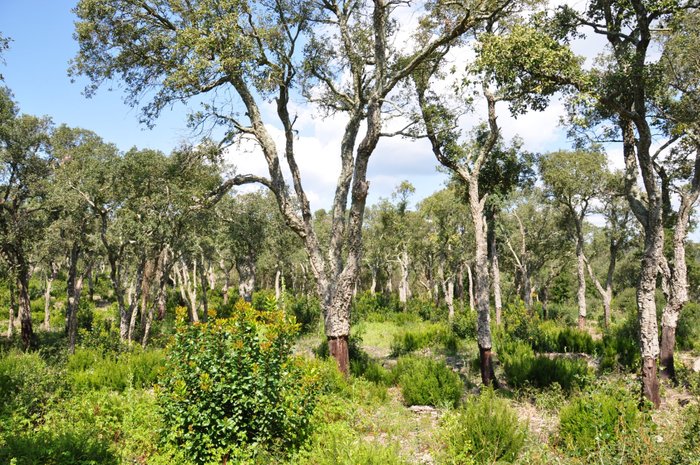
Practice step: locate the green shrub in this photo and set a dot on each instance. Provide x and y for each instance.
(56, 448)
(426, 309)
(411, 339)
(92, 369)
(381, 306)
(306, 310)
(688, 329)
(264, 300)
(27, 384)
(688, 451)
(620, 350)
(231, 389)
(485, 430)
(598, 419)
(550, 337)
(464, 324)
(522, 368)
(519, 322)
(424, 381)
(338, 444)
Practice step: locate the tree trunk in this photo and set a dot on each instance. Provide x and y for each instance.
(74, 304)
(25, 309)
(496, 272)
(246, 276)
(13, 311)
(678, 274)
(581, 277)
(470, 278)
(482, 286)
(373, 286)
(47, 296)
(203, 278)
(278, 285)
(404, 290)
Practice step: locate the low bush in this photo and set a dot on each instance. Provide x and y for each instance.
(337, 444)
(551, 337)
(485, 430)
(426, 309)
(91, 369)
(424, 381)
(411, 339)
(306, 310)
(27, 384)
(519, 322)
(688, 451)
(522, 368)
(597, 420)
(620, 349)
(688, 329)
(464, 324)
(231, 389)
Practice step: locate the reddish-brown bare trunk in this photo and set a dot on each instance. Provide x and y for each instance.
(338, 349)
(668, 342)
(488, 376)
(650, 382)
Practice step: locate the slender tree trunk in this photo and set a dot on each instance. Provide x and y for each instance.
(482, 286)
(246, 275)
(678, 274)
(447, 290)
(404, 289)
(496, 272)
(13, 311)
(278, 287)
(74, 302)
(47, 296)
(204, 282)
(470, 278)
(373, 286)
(581, 277)
(25, 310)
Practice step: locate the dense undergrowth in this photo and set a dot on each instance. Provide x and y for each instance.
(232, 389)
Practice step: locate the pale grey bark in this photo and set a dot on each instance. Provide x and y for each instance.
(470, 287)
(246, 277)
(496, 274)
(188, 287)
(47, 295)
(581, 279)
(404, 288)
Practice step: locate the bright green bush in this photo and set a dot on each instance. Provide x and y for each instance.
(551, 337)
(598, 419)
(306, 310)
(27, 384)
(411, 339)
(620, 350)
(424, 381)
(485, 430)
(519, 322)
(688, 330)
(337, 444)
(688, 451)
(231, 389)
(464, 324)
(91, 369)
(523, 368)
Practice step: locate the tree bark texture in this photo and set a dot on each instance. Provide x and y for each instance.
(246, 277)
(581, 277)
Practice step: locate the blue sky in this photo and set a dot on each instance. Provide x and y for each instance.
(36, 73)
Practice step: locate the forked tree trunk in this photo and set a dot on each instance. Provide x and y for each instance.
(246, 277)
